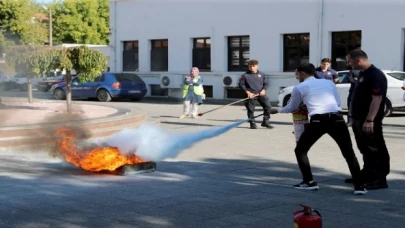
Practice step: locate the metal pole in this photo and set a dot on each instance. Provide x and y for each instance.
(50, 27)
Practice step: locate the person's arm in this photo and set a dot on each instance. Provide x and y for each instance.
(199, 81)
(188, 80)
(242, 82)
(337, 97)
(295, 102)
(378, 89)
(335, 77)
(265, 82)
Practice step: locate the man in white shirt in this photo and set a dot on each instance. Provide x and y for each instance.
(323, 104)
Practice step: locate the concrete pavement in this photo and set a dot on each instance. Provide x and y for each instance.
(240, 179)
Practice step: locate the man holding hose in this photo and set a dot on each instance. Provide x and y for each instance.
(254, 83)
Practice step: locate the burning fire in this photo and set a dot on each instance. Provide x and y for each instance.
(97, 159)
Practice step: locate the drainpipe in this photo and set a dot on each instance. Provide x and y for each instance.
(320, 30)
(212, 48)
(115, 36)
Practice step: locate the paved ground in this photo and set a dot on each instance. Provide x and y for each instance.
(240, 179)
(21, 112)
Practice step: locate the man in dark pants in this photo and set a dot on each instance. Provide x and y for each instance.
(323, 104)
(254, 83)
(368, 103)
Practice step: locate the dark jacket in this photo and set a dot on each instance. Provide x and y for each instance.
(253, 82)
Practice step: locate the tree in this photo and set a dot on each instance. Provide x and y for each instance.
(17, 19)
(81, 21)
(87, 63)
(34, 61)
(28, 60)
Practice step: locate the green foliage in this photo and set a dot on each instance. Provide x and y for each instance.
(81, 21)
(35, 60)
(18, 21)
(22, 58)
(88, 63)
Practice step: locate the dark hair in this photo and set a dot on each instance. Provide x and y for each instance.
(357, 54)
(307, 68)
(253, 62)
(326, 60)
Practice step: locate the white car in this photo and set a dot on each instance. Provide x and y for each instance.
(395, 92)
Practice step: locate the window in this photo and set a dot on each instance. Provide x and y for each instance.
(156, 90)
(202, 54)
(397, 75)
(130, 55)
(344, 77)
(342, 44)
(159, 55)
(296, 51)
(238, 53)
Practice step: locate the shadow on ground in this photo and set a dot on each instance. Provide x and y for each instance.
(250, 192)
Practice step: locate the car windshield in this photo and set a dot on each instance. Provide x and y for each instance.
(398, 75)
(128, 77)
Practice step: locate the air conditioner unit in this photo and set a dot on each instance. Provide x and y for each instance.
(171, 81)
(231, 80)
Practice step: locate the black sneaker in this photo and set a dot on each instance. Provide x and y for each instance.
(267, 125)
(307, 185)
(359, 190)
(253, 125)
(378, 184)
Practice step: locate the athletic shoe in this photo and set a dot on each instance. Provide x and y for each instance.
(253, 125)
(307, 185)
(360, 190)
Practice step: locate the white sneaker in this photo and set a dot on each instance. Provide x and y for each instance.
(182, 116)
(195, 117)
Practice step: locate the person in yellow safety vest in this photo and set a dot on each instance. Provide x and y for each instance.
(193, 93)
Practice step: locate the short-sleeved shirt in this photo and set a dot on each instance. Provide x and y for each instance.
(371, 81)
(329, 74)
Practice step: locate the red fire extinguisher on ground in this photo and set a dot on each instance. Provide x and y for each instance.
(307, 218)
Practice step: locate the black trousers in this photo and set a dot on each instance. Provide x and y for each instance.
(374, 150)
(264, 102)
(335, 126)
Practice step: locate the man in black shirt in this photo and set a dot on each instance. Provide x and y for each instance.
(368, 103)
(254, 83)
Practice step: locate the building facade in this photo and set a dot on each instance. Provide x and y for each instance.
(162, 40)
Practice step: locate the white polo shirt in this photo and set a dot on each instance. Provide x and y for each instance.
(319, 95)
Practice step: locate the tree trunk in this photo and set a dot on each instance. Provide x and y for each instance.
(68, 80)
(29, 89)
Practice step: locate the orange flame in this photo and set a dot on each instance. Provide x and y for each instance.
(97, 159)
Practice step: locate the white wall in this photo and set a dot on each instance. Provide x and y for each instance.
(265, 21)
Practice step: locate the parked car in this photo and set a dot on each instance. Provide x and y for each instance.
(105, 87)
(394, 93)
(47, 83)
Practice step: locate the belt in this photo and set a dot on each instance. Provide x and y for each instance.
(329, 114)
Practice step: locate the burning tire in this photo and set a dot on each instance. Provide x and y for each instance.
(103, 95)
(59, 94)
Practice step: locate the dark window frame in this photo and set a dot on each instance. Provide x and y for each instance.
(299, 48)
(159, 50)
(202, 55)
(132, 51)
(347, 45)
(241, 49)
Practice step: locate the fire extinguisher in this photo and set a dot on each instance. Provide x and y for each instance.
(307, 218)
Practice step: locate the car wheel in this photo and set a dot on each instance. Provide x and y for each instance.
(388, 110)
(103, 95)
(59, 94)
(286, 100)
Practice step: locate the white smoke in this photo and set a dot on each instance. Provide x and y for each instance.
(154, 143)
